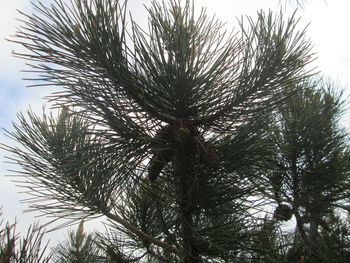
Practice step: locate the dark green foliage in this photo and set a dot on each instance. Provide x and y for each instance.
(79, 248)
(22, 249)
(269, 244)
(312, 163)
(168, 133)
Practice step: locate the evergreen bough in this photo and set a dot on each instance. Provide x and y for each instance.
(164, 131)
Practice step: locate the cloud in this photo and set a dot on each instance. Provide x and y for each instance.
(8, 24)
(8, 15)
(14, 98)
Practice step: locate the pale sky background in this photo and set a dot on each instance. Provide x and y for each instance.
(329, 31)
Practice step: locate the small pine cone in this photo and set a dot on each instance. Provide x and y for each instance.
(183, 128)
(157, 163)
(161, 152)
(212, 157)
(208, 153)
(283, 212)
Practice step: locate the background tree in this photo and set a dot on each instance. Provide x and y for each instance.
(17, 249)
(162, 132)
(310, 179)
(79, 248)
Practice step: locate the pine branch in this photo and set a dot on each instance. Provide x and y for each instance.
(143, 235)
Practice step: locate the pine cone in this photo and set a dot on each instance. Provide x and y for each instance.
(183, 128)
(283, 212)
(162, 152)
(208, 153)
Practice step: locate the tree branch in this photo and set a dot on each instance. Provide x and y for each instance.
(141, 234)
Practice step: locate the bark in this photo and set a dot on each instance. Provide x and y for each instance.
(184, 172)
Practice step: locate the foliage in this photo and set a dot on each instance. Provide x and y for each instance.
(16, 249)
(168, 133)
(312, 160)
(80, 248)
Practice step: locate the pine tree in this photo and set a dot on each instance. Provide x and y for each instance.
(79, 248)
(310, 177)
(162, 131)
(15, 248)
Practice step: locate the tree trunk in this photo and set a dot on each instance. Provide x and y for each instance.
(184, 172)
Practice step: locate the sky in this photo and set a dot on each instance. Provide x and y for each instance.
(328, 28)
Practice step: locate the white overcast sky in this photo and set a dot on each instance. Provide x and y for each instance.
(329, 31)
